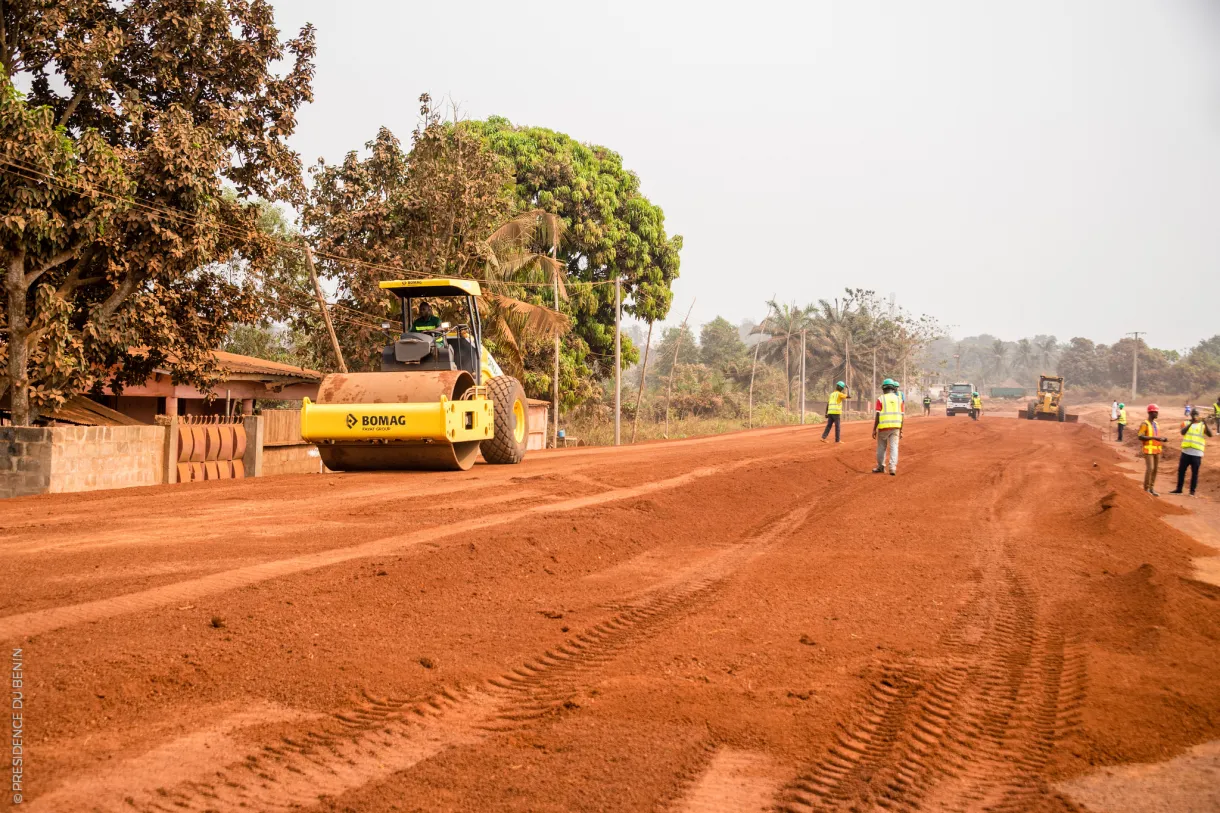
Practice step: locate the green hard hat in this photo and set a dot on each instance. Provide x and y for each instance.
(840, 384)
(889, 382)
(976, 392)
(1120, 406)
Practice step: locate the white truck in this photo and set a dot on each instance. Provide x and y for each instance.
(958, 398)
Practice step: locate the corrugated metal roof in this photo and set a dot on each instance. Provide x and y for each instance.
(249, 365)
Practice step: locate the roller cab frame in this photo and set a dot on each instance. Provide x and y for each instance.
(437, 400)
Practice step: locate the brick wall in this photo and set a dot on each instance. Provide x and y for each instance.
(25, 461)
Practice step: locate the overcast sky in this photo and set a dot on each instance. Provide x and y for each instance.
(1036, 166)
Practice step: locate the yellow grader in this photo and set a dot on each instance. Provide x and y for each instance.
(1048, 405)
(439, 398)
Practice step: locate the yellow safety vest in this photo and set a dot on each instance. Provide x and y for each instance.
(891, 411)
(834, 404)
(1122, 417)
(1148, 434)
(1216, 408)
(1194, 437)
(977, 403)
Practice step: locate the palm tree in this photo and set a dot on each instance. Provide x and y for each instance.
(512, 264)
(999, 357)
(782, 326)
(1023, 356)
(1048, 353)
(838, 342)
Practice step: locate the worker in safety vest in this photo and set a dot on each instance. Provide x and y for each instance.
(427, 319)
(927, 404)
(887, 426)
(1151, 438)
(834, 410)
(1216, 412)
(976, 405)
(1120, 417)
(1195, 433)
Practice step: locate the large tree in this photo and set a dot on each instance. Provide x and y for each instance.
(612, 231)
(442, 209)
(113, 222)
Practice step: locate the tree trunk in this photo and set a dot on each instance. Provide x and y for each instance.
(18, 351)
(787, 378)
(753, 367)
(639, 398)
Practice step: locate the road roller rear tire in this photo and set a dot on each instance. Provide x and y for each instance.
(507, 444)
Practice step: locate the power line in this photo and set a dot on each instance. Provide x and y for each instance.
(184, 216)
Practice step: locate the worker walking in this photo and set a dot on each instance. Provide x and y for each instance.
(834, 410)
(1195, 433)
(887, 427)
(1152, 441)
(1216, 412)
(1120, 417)
(927, 405)
(976, 406)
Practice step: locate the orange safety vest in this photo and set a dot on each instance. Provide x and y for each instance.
(1151, 444)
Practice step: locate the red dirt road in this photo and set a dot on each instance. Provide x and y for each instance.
(734, 623)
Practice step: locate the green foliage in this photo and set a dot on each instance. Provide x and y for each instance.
(612, 230)
(680, 338)
(106, 278)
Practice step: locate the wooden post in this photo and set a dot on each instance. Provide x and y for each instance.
(253, 458)
(669, 389)
(317, 289)
(639, 398)
(618, 359)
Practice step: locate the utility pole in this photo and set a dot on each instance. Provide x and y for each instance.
(317, 289)
(669, 388)
(618, 365)
(555, 388)
(639, 397)
(1135, 362)
(874, 375)
(802, 377)
(750, 416)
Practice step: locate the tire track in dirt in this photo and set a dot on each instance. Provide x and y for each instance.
(40, 621)
(732, 781)
(973, 726)
(382, 736)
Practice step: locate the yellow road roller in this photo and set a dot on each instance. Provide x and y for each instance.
(440, 397)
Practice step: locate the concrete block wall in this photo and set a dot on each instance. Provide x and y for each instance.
(300, 459)
(87, 458)
(25, 461)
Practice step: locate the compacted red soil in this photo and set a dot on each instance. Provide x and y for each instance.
(743, 622)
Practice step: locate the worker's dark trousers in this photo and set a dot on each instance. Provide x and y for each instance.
(832, 420)
(974, 415)
(1193, 462)
(1121, 427)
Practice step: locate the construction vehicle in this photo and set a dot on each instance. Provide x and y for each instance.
(1048, 406)
(958, 398)
(439, 399)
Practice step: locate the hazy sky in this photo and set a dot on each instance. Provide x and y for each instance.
(1036, 166)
